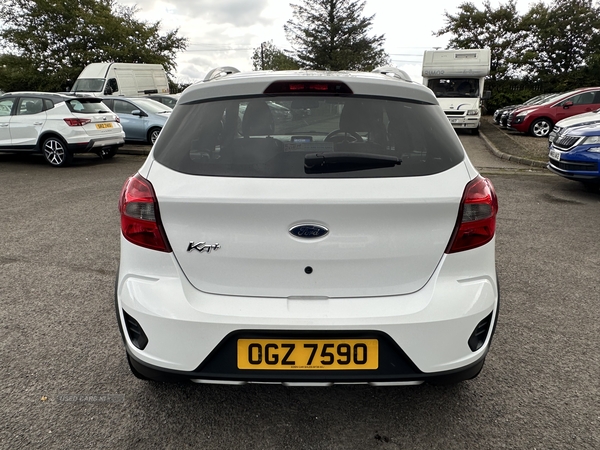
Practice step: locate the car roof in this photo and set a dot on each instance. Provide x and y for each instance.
(131, 99)
(164, 95)
(55, 97)
(256, 82)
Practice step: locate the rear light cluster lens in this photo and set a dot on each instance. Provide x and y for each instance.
(73, 122)
(476, 223)
(140, 218)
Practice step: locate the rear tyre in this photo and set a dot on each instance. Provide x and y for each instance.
(153, 135)
(540, 127)
(55, 152)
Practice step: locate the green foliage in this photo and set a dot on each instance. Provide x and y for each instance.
(332, 35)
(559, 38)
(47, 43)
(551, 48)
(269, 57)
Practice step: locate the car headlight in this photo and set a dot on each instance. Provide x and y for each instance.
(591, 140)
(523, 114)
(472, 112)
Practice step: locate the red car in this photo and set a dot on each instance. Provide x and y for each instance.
(538, 120)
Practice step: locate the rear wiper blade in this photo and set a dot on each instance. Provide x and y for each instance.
(346, 162)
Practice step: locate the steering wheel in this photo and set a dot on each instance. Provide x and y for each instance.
(343, 136)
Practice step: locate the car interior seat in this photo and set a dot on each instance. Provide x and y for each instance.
(258, 119)
(257, 145)
(361, 117)
(33, 107)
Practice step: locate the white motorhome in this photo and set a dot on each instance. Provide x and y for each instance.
(128, 79)
(457, 79)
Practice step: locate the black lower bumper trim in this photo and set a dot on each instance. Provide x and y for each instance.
(394, 364)
(573, 176)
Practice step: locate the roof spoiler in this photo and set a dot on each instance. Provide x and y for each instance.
(393, 72)
(220, 72)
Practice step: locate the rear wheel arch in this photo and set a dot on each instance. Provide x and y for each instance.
(153, 134)
(55, 150)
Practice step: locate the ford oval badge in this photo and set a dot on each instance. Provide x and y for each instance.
(308, 231)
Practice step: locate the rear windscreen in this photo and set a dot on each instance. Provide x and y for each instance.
(274, 136)
(87, 105)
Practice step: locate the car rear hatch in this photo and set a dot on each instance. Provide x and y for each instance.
(384, 236)
(96, 118)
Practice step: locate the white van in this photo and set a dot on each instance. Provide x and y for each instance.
(457, 78)
(127, 79)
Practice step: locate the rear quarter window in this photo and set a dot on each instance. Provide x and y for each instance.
(270, 136)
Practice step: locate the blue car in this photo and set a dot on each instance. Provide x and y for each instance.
(575, 155)
(142, 118)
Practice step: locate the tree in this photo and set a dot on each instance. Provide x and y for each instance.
(269, 57)
(551, 48)
(563, 39)
(47, 43)
(332, 35)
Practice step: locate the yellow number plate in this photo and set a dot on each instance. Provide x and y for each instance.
(103, 125)
(308, 354)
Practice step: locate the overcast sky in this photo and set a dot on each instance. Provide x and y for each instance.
(225, 32)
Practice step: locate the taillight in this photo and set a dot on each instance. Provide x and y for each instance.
(476, 222)
(140, 218)
(73, 122)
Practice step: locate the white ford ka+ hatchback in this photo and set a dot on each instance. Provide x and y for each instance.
(351, 241)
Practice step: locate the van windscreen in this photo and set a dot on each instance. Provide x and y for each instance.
(88, 85)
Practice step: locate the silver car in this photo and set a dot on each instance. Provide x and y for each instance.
(142, 118)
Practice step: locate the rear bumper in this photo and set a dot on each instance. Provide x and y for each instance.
(465, 122)
(192, 335)
(205, 374)
(96, 144)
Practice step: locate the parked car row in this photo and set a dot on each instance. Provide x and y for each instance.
(60, 125)
(501, 115)
(538, 115)
(571, 121)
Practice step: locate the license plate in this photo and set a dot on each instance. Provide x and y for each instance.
(103, 125)
(307, 354)
(554, 154)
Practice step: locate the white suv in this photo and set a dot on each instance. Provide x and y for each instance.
(354, 245)
(58, 126)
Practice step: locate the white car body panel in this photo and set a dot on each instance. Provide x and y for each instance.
(387, 235)
(432, 325)
(26, 129)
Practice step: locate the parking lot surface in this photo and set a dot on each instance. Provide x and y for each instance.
(66, 383)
